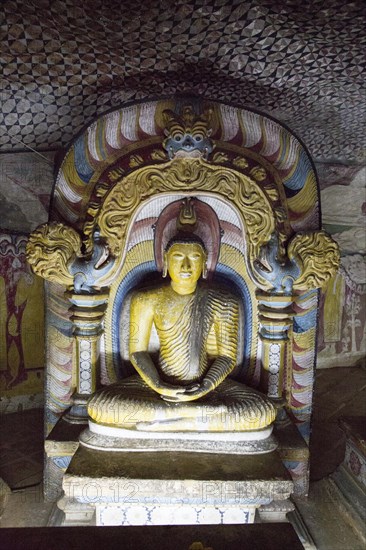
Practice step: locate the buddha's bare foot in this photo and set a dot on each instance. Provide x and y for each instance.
(157, 425)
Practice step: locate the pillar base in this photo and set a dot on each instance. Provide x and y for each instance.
(77, 414)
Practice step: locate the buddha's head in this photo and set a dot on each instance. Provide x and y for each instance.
(185, 260)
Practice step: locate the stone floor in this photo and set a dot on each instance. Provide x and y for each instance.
(338, 392)
(21, 448)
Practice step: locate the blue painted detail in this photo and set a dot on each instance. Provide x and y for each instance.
(50, 417)
(84, 169)
(85, 274)
(291, 464)
(282, 275)
(188, 143)
(303, 415)
(302, 323)
(62, 461)
(298, 178)
(304, 429)
(308, 294)
(79, 410)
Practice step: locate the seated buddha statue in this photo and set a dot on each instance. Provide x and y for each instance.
(186, 389)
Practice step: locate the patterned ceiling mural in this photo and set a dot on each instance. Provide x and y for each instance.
(66, 61)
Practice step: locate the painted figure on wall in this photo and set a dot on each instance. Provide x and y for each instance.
(21, 321)
(343, 315)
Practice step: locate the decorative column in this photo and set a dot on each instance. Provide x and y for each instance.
(275, 318)
(87, 317)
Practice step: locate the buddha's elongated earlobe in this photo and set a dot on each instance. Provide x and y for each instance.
(165, 266)
(204, 270)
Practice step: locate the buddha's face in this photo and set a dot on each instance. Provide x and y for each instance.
(185, 262)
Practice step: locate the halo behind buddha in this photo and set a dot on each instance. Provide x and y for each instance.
(188, 217)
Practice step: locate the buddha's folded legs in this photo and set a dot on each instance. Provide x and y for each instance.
(131, 404)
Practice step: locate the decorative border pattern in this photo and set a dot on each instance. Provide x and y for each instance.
(110, 137)
(63, 67)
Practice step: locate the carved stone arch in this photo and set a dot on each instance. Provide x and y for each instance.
(131, 136)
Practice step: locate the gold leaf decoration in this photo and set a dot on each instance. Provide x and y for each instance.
(158, 154)
(116, 174)
(281, 214)
(93, 209)
(50, 250)
(240, 162)
(190, 176)
(102, 189)
(220, 157)
(135, 160)
(272, 193)
(318, 256)
(258, 173)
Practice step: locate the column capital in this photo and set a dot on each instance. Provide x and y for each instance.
(87, 300)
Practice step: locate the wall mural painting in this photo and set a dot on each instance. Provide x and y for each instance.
(21, 321)
(342, 337)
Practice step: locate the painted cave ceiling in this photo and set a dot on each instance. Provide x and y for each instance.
(302, 62)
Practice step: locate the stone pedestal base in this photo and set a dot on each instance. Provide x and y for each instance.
(172, 514)
(60, 446)
(105, 438)
(161, 488)
(294, 453)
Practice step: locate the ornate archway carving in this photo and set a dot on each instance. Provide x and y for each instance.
(192, 177)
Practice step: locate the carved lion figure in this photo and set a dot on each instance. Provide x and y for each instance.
(50, 250)
(311, 260)
(318, 255)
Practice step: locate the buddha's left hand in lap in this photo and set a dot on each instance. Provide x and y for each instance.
(192, 392)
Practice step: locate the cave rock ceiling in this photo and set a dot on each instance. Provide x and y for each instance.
(65, 62)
